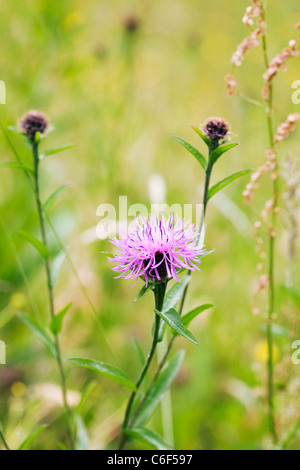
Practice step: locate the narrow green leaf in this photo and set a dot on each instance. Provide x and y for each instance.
(39, 332)
(216, 154)
(173, 296)
(174, 321)
(161, 330)
(87, 390)
(54, 195)
(149, 437)
(56, 322)
(62, 446)
(201, 135)
(221, 184)
(188, 317)
(139, 351)
(158, 388)
(38, 245)
(82, 437)
(171, 299)
(18, 165)
(54, 150)
(107, 370)
(56, 265)
(199, 157)
(143, 292)
(25, 444)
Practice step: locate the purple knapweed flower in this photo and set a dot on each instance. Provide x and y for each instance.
(157, 249)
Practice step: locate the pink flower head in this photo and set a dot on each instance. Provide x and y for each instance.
(157, 249)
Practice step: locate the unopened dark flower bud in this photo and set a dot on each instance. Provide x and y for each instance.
(33, 122)
(131, 24)
(215, 128)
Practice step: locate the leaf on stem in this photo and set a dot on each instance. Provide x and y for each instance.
(188, 317)
(17, 165)
(56, 265)
(139, 351)
(158, 388)
(216, 154)
(143, 292)
(39, 332)
(199, 157)
(229, 179)
(107, 370)
(201, 135)
(54, 150)
(173, 296)
(38, 245)
(87, 390)
(174, 321)
(54, 195)
(149, 437)
(171, 299)
(82, 436)
(56, 322)
(25, 444)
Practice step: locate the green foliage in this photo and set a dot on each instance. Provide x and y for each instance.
(188, 317)
(201, 135)
(38, 245)
(54, 195)
(107, 370)
(226, 181)
(40, 332)
(174, 321)
(56, 322)
(158, 389)
(199, 157)
(54, 150)
(17, 165)
(149, 437)
(219, 151)
(26, 443)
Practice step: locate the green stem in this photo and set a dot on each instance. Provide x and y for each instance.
(271, 270)
(161, 364)
(62, 247)
(159, 293)
(50, 291)
(4, 441)
(82, 287)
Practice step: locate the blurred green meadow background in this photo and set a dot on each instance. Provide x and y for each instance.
(117, 79)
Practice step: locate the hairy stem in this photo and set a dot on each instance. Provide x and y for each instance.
(159, 293)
